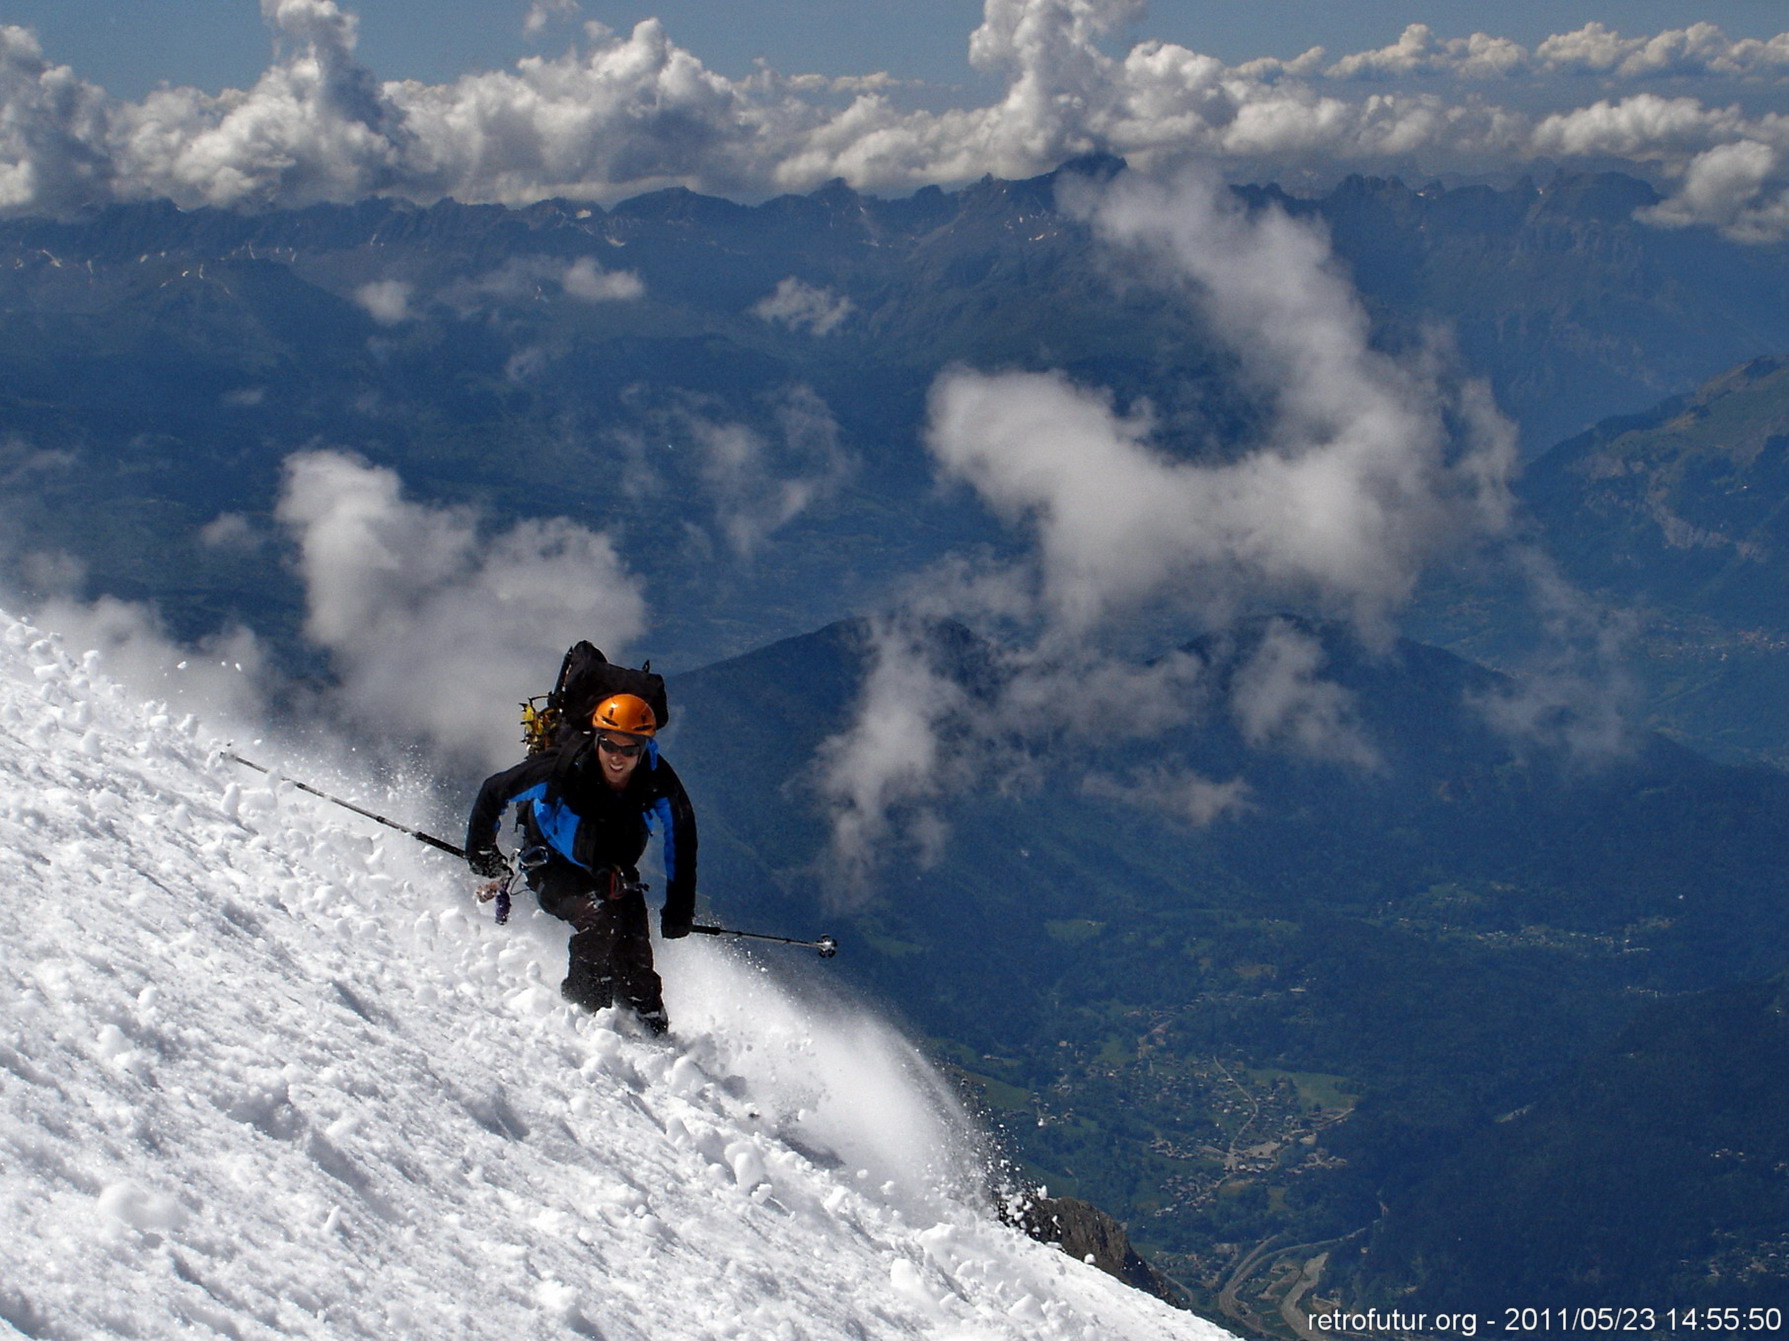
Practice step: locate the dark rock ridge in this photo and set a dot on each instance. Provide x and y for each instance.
(1088, 1234)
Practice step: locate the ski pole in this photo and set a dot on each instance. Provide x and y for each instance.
(417, 834)
(826, 945)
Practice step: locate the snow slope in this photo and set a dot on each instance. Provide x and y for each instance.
(266, 1070)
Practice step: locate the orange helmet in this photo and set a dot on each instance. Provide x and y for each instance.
(627, 713)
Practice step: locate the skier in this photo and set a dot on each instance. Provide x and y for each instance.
(585, 811)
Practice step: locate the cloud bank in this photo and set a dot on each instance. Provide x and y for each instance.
(1370, 469)
(616, 114)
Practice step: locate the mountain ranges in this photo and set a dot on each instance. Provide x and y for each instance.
(158, 366)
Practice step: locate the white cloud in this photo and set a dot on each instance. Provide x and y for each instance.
(804, 306)
(1700, 49)
(636, 110)
(623, 114)
(519, 279)
(1082, 694)
(52, 130)
(1572, 695)
(1179, 794)
(588, 281)
(387, 301)
(544, 13)
(229, 531)
(891, 764)
(1371, 468)
(1643, 127)
(530, 279)
(1730, 166)
(316, 126)
(1419, 52)
(1358, 486)
(1279, 698)
(758, 483)
(1738, 187)
(1060, 85)
(434, 627)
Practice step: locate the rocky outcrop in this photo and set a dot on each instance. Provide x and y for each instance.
(1085, 1231)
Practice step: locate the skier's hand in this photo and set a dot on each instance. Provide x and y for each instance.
(674, 926)
(585, 913)
(487, 862)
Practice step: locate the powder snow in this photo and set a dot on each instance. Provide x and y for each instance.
(268, 1071)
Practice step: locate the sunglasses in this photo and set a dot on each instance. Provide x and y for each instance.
(627, 750)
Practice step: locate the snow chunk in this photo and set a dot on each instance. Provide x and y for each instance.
(140, 1209)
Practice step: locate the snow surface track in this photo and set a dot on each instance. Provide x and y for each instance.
(265, 1072)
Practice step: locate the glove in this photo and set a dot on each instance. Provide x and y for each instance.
(583, 912)
(675, 926)
(487, 862)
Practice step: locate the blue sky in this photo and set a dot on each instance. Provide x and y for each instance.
(129, 46)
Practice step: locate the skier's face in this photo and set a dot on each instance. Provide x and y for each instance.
(620, 756)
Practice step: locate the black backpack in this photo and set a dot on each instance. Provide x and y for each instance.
(586, 678)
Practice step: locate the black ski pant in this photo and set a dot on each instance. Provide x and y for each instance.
(611, 945)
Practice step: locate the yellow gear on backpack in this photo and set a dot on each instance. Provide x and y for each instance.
(540, 724)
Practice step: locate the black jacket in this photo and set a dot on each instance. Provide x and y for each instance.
(567, 804)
